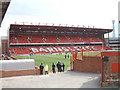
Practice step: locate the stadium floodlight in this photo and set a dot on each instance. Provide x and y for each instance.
(113, 22)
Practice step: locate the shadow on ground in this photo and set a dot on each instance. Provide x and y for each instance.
(93, 79)
(94, 83)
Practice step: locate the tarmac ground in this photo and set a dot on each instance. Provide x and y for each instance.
(69, 79)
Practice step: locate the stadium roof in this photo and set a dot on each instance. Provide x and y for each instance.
(3, 8)
(15, 28)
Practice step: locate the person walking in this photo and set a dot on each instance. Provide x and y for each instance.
(65, 56)
(41, 69)
(58, 66)
(68, 55)
(63, 65)
(53, 68)
(46, 69)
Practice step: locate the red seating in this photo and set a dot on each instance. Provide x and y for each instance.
(74, 39)
(13, 39)
(19, 50)
(58, 49)
(63, 39)
(50, 38)
(54, 39)
(85, 39)
(36, 39)
(22, 38)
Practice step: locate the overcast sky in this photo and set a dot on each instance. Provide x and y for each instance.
(98, 13)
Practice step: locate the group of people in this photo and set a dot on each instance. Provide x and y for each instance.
(60, 67)
(67, 56)
(45, 68)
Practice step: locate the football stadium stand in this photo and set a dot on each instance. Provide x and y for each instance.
(42, 39)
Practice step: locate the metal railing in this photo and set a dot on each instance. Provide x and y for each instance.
(53, 24)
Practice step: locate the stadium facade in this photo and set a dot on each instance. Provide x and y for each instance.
(114, 43)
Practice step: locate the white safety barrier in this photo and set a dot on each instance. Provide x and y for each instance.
(23, 64)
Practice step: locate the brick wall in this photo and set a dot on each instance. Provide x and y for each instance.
(107, 73)
(5, 49)
(20, 73)
(110, 77)
(88, 64)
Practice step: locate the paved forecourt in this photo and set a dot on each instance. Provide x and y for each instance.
(68, 79)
